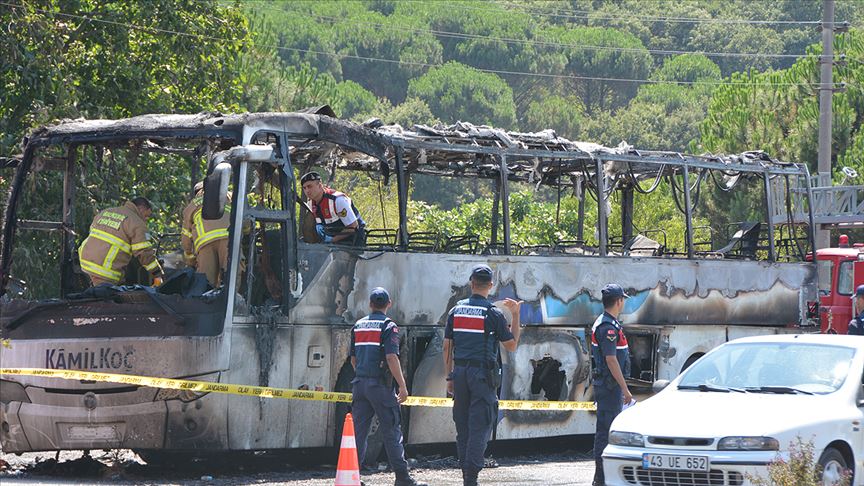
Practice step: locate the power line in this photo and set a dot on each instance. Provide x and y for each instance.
(460, 35)
(588, 15)
(396, 61)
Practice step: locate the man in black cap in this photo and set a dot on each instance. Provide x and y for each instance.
(611, 364)
(856, 325)
(474, 329)
(337, 219)
(375, 357)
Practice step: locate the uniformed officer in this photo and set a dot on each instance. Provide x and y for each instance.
(116, 235)
(474, 329)
(375, 357)
(205, 242)
(337, 219)
(611, 358)
(856, 325)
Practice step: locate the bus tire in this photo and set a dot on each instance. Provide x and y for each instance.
(692, 359)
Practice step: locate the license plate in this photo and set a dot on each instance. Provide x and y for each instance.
(93, 432)
(676, 463)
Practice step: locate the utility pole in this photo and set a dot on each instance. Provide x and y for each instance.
(826, 92)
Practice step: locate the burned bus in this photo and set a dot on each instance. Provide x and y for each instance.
(283, 314)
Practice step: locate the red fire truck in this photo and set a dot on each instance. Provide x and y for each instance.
(840, 271)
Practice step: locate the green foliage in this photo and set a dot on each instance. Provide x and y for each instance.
(632, 62)
(565, 115)
(353, 101)
(483, 26)
(687, 67)
(457, 92)
(801, 469)
(52, 66)
(537, 222)
(759, 112)
(412, 111)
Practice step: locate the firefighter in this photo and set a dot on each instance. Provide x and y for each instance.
(611, 358)
(474, 329)
(375, 357)
(205, 242)
(856, 325)
(337, 219)
(116, 235)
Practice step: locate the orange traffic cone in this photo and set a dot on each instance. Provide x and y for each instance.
(348, 467)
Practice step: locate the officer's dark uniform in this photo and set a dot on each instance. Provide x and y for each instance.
(607, 339)
(476, 327)
(856, 325)
(372, 338)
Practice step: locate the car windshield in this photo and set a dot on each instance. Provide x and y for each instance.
(771, 368)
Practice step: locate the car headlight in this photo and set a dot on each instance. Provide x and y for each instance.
(630, 439)
(739, 443)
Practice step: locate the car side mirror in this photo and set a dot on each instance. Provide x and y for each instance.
(659, 385)
(216, 191)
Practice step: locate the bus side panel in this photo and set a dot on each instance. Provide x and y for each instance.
(524, 377)
(310, 370)
(681, 345)
(259, 423)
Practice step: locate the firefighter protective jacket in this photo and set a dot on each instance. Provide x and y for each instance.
(197, 231)
(116, 235)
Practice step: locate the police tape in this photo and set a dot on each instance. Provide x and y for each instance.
(272, 392)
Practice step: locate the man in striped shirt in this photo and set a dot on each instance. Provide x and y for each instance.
(375, 357)
(474, 329)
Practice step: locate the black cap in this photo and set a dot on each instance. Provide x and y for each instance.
(859, 291)
(614, 290)
(310, 176)
(379, 297)
(482, 272)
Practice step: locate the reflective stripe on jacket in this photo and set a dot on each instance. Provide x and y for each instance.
(116, 235)
(197, 231)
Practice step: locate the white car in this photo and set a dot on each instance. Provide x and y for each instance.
(739, 407)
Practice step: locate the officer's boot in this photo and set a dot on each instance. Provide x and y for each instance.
(407, 480)
(599, 476)
(469, 477)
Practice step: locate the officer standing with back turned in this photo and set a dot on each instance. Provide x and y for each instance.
(375, 357)
(611, 358)
(856, 325)
(474, 329)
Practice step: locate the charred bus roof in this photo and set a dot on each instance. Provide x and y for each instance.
(460, 150)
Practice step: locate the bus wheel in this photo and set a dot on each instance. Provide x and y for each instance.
(692, 359)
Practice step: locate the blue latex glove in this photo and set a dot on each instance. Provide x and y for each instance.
(319, 228)
(328, 239)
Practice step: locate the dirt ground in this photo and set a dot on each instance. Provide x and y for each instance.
(552, 463)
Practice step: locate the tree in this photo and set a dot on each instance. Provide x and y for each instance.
(457, 92)
(565, 115)
(688, 68)
(58, 66)
(778, 112)
(353, 101)
(629, 61)
(412, 111)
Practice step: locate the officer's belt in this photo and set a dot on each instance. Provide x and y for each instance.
(473, 363)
